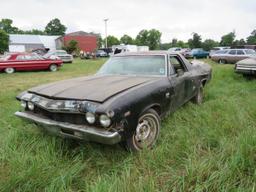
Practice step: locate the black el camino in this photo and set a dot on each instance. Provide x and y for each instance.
(123, 102)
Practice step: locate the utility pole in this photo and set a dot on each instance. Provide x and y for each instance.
(106, 38)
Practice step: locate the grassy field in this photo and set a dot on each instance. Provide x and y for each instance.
(211, 147)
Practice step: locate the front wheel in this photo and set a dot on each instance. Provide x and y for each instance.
(146, 132)
(9, 70)
(199, 97)
(53, 68)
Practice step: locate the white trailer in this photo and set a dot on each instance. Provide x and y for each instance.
(128, 48)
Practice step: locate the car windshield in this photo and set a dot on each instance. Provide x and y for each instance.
(135, 65)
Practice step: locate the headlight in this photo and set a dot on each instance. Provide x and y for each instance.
(105, 120)
(31, 106)
(23, 104)
(90, 117)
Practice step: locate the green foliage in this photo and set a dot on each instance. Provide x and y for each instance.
(251, 40)
(112, 40)
(34, 32)
(151, 38)
(54, 27)
(4, 41)
(71, 47)
(100, 42)
(174, 43)
(210, 147)
(195, 42)
(126, 39)
(228, 39)
(6, 25)
(208, 44)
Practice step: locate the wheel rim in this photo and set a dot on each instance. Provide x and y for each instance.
(146, 131)
(53, 68)
(9, 70)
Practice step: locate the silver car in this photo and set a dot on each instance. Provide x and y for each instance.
(62, 54)
(247, 67)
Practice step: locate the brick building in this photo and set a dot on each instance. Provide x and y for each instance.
(87, 42)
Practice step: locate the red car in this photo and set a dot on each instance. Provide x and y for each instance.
(28, 62)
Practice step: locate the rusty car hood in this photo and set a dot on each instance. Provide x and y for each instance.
(94, 88)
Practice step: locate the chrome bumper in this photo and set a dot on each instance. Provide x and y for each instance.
(74, 131)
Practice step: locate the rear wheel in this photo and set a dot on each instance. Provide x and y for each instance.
(146, 132)
(53, 67)
(9, 70)
(222, 61)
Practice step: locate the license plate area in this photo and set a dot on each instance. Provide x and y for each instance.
(71, 133)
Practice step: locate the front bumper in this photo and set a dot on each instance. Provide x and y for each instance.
(246, 70)
(68, 130)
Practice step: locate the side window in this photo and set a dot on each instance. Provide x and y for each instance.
(240, 52)
(20, 57)
(177, 64)
(28, 57)
(232, 52)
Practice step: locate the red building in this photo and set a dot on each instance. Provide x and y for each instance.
(87, 42)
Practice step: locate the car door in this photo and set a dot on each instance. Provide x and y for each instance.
(231, 57)
(181, 80)
(240, 55)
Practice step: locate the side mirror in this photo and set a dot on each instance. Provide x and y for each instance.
(180, 72)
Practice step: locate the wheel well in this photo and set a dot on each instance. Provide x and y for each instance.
(204, 82)
(157, 108)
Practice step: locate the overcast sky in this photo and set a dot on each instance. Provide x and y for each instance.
(174, 18)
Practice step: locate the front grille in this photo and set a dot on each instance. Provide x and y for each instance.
(62, 117)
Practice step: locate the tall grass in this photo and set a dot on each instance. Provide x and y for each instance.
(211, 147)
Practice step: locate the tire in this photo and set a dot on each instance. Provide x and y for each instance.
(9, 70)
(248, 77)
(199, 97)
(146, 132)
(222, 61)
(53, 68)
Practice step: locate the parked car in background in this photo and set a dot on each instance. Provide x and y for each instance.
(247, 67)
(175, 49)
(40, 51)
(232, 55)
(197, 53)
(215, 50)
(123, 102)
(101, 53)
(62, 54)
(28, 62)
(109, 50)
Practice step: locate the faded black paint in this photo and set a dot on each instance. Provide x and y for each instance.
(166, 94)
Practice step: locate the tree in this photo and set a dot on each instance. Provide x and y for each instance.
(112, 40)
(6, 25)
(4, 41)
(54, 27)
(126, 39)
(99, 41)
(151, 38)
(195, 42)
(208, 44)
(251, 40)
(71, 47)
(174, 42)
(228, 39)
(142, 37)
(34, 32)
